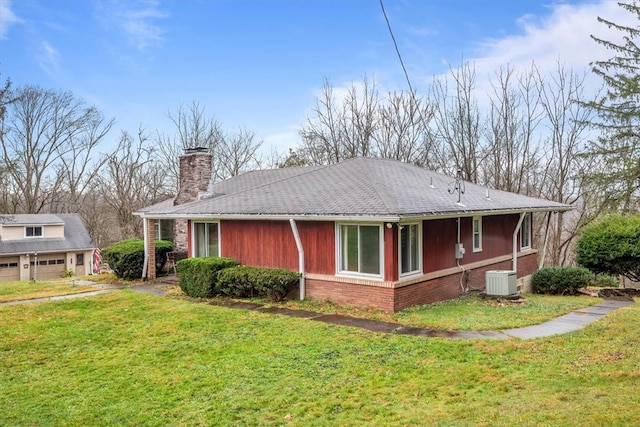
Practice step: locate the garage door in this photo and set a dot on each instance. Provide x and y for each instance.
(9, 269)
(49, 267)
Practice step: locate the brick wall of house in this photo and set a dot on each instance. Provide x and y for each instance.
(350, 294)
(427, 292)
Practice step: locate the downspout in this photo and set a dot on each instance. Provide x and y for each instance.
(146, 248)
(546, 241)
(514, 263)
(296, 236)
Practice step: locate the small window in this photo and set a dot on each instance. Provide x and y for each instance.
(59, 261)
(477, 234)
(79, 259)
(4, 265)
(360, 248)
(525, 232)
(43, 262)
(52, 262)
(33, 231)
(13, 265)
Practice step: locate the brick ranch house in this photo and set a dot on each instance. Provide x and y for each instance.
(367, 232)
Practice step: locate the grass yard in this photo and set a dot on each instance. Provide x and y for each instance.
(14, 291)
(470, 312)
(131, 359)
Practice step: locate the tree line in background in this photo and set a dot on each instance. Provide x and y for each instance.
(530, 132)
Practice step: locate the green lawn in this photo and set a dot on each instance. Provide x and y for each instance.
(470, 312)
(13, 291)
(131, 359)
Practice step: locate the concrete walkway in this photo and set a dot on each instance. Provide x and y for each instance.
(573, 321)
(569, 322)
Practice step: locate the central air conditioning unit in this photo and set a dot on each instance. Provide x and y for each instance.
(501, 282)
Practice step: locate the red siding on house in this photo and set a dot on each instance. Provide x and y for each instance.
(259, 243)
(391, 253)
(271, 244)
(319, 242)
(440, 237)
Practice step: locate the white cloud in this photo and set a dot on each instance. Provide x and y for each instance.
(7, 18)
(563, 35)
(48, 57)
(137, 19)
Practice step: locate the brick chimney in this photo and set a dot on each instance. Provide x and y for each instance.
(195, 176)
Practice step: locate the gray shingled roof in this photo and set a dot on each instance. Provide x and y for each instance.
(75, 238)
(359, 187)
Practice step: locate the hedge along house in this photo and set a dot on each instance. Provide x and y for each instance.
(44, 246)
(368, 232)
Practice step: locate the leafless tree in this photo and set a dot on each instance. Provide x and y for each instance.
(402, 131)
(321, 136)
(194, 129)
(236, 153)
(514, 116)
(357, 121)
(41, 132)
(457, 122)
(562, 94)
(132, 180)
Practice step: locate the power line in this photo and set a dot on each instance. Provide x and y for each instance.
(395, 44)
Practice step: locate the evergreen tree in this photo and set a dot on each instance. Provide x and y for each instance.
(618, 112)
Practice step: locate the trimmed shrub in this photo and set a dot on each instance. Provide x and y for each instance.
(269, 283)
(198, 276)
(126, 258)
(560, 280)
(611, 246)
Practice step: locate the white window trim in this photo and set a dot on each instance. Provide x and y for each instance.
(193, 237)
(156, 229)
(527, 219)
(34, 227)
(473, 240)
(347, 273)
(419, 270)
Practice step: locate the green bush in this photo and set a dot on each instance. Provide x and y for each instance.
(269, 283)
(560, 280)
(126, 258)
(605, 281)
(611, 246)
(198, 276)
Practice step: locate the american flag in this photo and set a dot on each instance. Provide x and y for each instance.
(97, 260)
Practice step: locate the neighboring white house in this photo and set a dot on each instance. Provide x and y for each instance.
(43, 246)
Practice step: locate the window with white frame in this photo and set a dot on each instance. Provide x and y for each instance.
(35, 231)
(477, 233)
(525, 232)
(163, 229)
(409, 248)
(205, 239)
(360, 248)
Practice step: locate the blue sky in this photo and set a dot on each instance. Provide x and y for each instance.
(260, 63)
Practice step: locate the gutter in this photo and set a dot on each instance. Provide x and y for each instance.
(514, 262)
(296, 236)
(347, 217)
